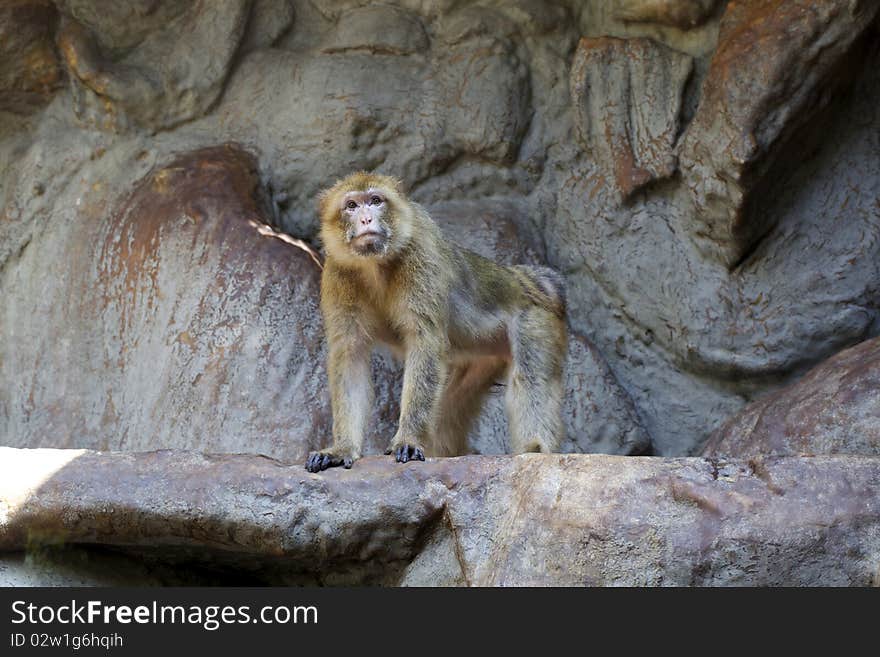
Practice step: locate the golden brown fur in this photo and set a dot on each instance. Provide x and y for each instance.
(459, 321)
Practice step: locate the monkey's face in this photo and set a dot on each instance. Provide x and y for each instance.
(365, 218)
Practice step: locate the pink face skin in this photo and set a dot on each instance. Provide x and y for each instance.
(365, 215)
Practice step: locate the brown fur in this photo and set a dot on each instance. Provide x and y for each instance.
(460, 322)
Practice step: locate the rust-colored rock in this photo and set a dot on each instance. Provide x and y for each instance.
(834, 409)
(169, 321)
(778, 62)
(631, 139)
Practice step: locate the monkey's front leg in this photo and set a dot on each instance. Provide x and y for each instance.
(351, 397)
(423, 379)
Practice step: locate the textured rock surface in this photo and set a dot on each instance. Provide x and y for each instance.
(833, 409)
(166, 320)
(156, 63)
(683, 14)
(691, 341)
(471, 105)
(627, 96)
(755, 102)
(29, 68)
(529, 520)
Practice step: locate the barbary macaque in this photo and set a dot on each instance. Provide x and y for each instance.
(459, 321)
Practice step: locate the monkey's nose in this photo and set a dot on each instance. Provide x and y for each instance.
(366, 220)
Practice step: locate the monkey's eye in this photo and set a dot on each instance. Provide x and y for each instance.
(351, 205)
(376, 200)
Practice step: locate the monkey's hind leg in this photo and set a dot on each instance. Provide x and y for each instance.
(463, 397)
(535, 388)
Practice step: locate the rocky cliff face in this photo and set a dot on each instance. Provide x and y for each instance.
(705, 174)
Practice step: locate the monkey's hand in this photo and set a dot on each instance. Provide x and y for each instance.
(405, 451)
(329, 458)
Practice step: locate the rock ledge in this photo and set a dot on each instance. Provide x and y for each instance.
(477, 520)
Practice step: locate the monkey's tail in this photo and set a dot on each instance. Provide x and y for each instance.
(545, 286)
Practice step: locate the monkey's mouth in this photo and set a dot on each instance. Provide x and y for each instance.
(371, 243)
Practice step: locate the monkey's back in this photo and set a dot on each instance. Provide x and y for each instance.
(485, 297)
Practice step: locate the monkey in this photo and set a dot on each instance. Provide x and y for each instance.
(460, 323)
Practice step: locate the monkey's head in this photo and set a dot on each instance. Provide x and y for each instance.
(364, 216)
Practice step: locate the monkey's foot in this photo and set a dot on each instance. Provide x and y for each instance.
(318, 461)
(406, 452)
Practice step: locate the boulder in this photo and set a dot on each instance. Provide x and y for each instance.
(561, 520)
(167, 320)
(833, 409)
